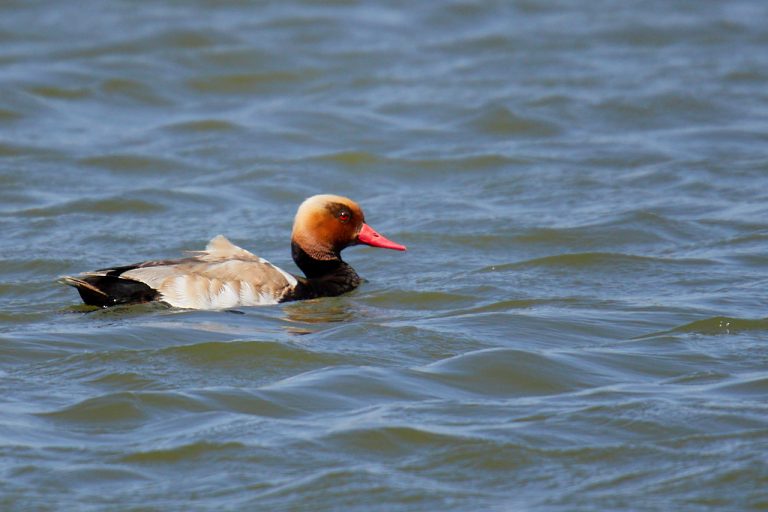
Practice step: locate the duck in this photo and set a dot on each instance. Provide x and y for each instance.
(225, 276)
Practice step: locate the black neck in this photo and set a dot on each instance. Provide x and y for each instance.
(325, 278)
(314, 268)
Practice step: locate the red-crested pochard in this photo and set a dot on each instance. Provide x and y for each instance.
(225, 276)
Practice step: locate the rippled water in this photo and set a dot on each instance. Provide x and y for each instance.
(580, 322)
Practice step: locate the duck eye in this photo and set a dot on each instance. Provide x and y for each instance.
(344, 216)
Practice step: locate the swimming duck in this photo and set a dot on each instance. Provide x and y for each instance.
(226, 276)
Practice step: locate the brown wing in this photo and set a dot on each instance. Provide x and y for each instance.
(222, 276)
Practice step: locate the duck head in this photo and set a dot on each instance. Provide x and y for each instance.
(326, 224)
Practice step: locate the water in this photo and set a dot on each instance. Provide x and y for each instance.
(580, 322)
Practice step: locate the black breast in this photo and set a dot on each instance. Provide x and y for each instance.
(325, 278)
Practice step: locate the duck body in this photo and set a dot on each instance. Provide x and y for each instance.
(224, 275)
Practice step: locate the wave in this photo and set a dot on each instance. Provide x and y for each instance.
(183, 452)
(717, 325)
(588, 259)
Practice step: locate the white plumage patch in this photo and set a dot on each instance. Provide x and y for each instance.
(250, 297)
(227, 297)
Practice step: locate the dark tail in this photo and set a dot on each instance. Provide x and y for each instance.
(106, 291)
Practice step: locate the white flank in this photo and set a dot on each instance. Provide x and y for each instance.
(176, 294)
(249, 296)
(227, 297)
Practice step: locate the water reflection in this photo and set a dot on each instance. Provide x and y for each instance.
(304, 317)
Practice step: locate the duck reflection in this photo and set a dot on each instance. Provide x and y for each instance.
(305, 317)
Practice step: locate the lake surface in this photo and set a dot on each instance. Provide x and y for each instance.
(581, 320)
